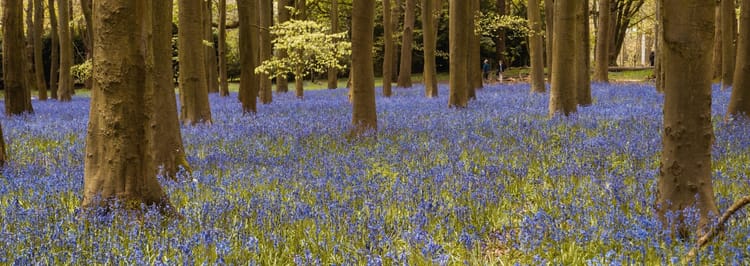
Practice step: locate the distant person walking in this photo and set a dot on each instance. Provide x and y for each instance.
(651, 57)
(500, 70)
(486, 70)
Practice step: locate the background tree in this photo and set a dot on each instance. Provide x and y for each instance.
(3, 155)
(535, 47)
(621, 18)
(602, 44)
(429, 14)
(563, 89)
(14, 63)
(717, 45)
(41, 84)
(309, 50)
(389, 47)
(583, 80)
(685, 169)
(86, 9)
(404, 75)
(460, 19)
(728, 38)
(249, 41)
(223, 79)
(549, 31)
(333, 73)
(118, 166)
(282, 83)
(364, 113)
(65, 84)
(30, 75)
(265, 18)
(194, 106)
(500, 5)
(212, 81)
(475, 53)
(739, 104)
(54, 59)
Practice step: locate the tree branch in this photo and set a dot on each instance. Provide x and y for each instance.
(708, 236)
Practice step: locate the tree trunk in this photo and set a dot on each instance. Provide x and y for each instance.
(212, 81)
(249, 41)
(3, 155)
(265, 18)
(389, 47)
(65, 85)
(38, 63)
(660, 57)
(301, 6)
(717, 46)
(333, 73)
(739, 104)
(86, 7)
(282, 82)
(549, 30)
(563, 91)
(500, 38)
(168, 151)
(535, 47)
(55, 50)
(364, 116)
(194, 107)
(396, 20)
(429, 8)
(223, 80)
(685, 169)
(475, 55)
(30, 75)
(602, 43)
(404, 74)
(299, 84)
(118, 165)
(460, 17)
(14, 63)
(728, 37)
(583, 78)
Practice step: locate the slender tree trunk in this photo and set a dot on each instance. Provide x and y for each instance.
(16, 91)
(685, 169)
(583, 70)
(739, 104)
(249, 41)
(404, 74)
(396, 20)
(429, 7)
(475, 56)
(535, 47)
(728, 37)
(55, 50)
(118, 165)
(299, 84)
(364, 116)
(223, 80)
(265, 17)
(460, 17)
(282, 82)
(30, 75)
(563, 91)
(549, 14)
(212, 81)
(65, 85)
(602, 43)
(3, 154)
(333, 73)
(194, 107)
(660, 57)
(500, 38)
(717, 46)
(38, 63)
(86, 7)
(389, 47)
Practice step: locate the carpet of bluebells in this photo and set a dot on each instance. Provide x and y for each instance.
(496, 183)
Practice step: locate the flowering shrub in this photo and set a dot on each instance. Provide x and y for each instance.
(497, 182)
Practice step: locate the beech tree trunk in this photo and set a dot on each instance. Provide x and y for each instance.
(249, 41)
(583, 80)
(194, 107)
(14, 63)
(536, 53)
(685, 169)
(475, 57)
(602, 44)
(460, 18)
(212, 81)
(86, 8)
(429, 8)
(728, 37)
(389, 47)
(41, 84)
(30, 75)
(404, 74)
(500, 38)
(55, 50)
(660, 57)
(563, 91)
(364, 116)
(333, 73)
(118, 166)
(3, 155)
(549, 31)
(717, 46)
(265, 17)
(65, 85)
(739, 104)
(223, 79)
(282, 81)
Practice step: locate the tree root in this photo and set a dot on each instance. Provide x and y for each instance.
(718, 228)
